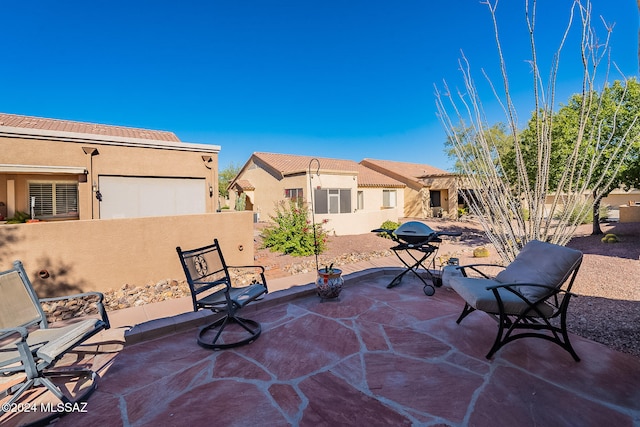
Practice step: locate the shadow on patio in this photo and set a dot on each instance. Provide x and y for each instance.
(376, 356)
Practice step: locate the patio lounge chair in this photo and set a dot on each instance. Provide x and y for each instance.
(211, 288)
(525, 297)
(29, 346)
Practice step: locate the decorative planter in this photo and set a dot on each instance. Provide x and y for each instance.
(329, 283)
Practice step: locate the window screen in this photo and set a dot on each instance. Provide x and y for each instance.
(334, 200)
(53, 199)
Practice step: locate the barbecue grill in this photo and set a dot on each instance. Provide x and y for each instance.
(417, 242)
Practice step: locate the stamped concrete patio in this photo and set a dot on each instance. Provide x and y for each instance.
(376, 356)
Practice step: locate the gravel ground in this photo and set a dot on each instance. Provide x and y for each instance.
(606, 310)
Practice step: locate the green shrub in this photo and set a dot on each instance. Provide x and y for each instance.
(292, 231)
(388, 225)
(462, 212)
(610, 238)
(19, 218)
(583, 209)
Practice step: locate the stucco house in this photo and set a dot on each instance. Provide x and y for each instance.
(353, 198)
(112, 202)
(428, 192)
(60, 170)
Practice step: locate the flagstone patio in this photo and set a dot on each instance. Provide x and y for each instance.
(375, 356)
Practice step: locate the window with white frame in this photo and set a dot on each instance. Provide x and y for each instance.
(332, 200)
(294, 194)
(360, 200)
(54, 199)
(389, 198)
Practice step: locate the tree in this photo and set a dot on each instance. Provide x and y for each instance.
(225, 176)
(510, 186)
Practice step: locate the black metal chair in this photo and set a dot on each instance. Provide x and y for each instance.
(525, 296)
(211, 288)
(30, 347)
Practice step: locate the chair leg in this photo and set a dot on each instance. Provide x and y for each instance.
(465, 312)
(252, 327)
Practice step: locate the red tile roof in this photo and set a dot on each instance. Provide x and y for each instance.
(28, 122)
(411, 171)
(287, 164)
(245, 185)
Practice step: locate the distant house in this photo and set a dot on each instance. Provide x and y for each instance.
(353, 198)
(64, 170)
(428, 192)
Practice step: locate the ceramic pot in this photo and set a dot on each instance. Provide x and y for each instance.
(329, 283)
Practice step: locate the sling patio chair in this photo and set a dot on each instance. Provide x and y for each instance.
(528, 298)
(212, 288)
(30, 346)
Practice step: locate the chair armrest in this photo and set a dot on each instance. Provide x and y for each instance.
(475, 267)
(259, 267)
(99, 303)
(4, 333)
(552, 289)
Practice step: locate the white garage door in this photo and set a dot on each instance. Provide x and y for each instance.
(134, 197)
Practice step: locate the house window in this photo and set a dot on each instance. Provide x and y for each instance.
(54, 199)
(360, 200)
(389, 198)
(435, 198)
(337, 200)
(294, 194)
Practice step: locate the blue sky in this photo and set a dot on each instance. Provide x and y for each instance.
(345, 79)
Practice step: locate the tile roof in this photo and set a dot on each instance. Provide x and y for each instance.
(28, 122)
(287, 164)
(412, 171)
(245, 184)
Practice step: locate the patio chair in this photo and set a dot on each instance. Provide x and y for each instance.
(211, 288)
(30, 346)
(528, 298)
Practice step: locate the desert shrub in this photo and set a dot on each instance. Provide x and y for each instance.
(292, 231)
(388, 225)
(241, 202)
(481, 252)
(462, 212)
(610, 238)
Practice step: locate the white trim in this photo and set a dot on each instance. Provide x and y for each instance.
(84, 138)
(73, 170)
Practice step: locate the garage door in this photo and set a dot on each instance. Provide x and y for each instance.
(134, 197)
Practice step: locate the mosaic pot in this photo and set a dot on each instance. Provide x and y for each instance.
(329, 283)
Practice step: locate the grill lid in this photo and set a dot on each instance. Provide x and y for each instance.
(413, 231)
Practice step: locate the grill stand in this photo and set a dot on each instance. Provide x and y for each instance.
(426, 245)
(425, 251)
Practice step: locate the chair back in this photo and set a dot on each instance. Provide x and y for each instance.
(544, 264)
(19, 304)
(204, 268)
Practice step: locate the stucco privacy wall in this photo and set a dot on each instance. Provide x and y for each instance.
(98, 255)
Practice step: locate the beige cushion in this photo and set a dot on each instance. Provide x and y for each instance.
(448, 272)
(540, 263)
(474, 291)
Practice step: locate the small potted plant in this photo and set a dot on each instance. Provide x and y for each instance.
(329, 282)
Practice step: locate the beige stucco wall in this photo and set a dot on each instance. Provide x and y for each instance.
(102, 254)
(629, 213)
(373, 200)
(113, 159)
(355, 223)
(269, 190)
